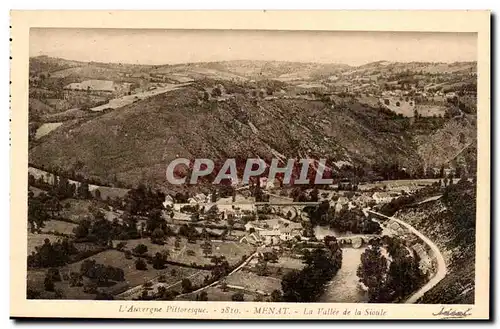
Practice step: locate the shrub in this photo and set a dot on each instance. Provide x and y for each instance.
(141, 265)
(238, 297)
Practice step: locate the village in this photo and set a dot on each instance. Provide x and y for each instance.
(219, 247)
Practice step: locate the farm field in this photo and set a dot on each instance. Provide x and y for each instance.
(129, 99)
(35, 279)
(233, 251)
(288, 262)
(36, 240)
(106, 191)
(216, 293)
(253, 282)
(133, 277)
(173, 278)
(46, 128)
(77, 208)
(430, 110)
(36, 191)
(397, 184)
(399, 106)
(59, 226)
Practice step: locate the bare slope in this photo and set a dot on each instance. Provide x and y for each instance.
(135, 143)
(450, 224)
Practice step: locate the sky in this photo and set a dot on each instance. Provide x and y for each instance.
(185, 46)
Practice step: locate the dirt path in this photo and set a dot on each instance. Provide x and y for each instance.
(441, 264)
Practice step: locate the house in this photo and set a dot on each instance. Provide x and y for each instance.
(233, 213)
(169, 201)
(451, 95)
(288, 233)
(363, 200)
(252, 238)
(382, 197)
(105, 86)
(449, 171)
(198, 198)
(270, 237)
(249, 226)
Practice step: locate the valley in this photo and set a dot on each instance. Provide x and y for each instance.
(395, 225)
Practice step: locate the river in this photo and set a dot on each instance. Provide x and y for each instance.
(344, 287)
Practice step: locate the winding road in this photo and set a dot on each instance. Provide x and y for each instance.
(441, 264)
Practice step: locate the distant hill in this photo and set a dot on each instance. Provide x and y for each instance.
(255, 70)
(241, 69)
(135, 143)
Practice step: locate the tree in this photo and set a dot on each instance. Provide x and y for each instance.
(37, 214)
(258, 298)
(75, 279)
(441, 172)
(140, 249)
(103, 296)
(48, 283)
(158, 236)
(207, 248)
(238, 297)
(223, 286)
(186, 285)
(216, 92)
(203, 296)
(230, 224)
(140, 264)
(83, 191)
(276, 296)
(159, 261)
(54, 274)
(261, 266)
(121, 245)
(372, 271)
(309, 283)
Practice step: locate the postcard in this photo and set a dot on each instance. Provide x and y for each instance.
(250, 164)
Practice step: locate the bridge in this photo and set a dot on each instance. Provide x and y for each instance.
(309, 203)
(350, 241)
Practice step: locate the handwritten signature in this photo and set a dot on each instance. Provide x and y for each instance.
(452, 313)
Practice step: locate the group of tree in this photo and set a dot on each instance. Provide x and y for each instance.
(159, 260)
(51, 276)
(52, 254)
(96, 228)
(299, 194)
(390, 282)
(100, 273)
(220, 268)
(354, 221)
(189, 232)
(404, 200)
(40, 210)
(460, 201)
(60, 187)
(143, 200)
(321, 265)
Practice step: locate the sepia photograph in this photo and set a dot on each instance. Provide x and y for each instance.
(264, 166)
